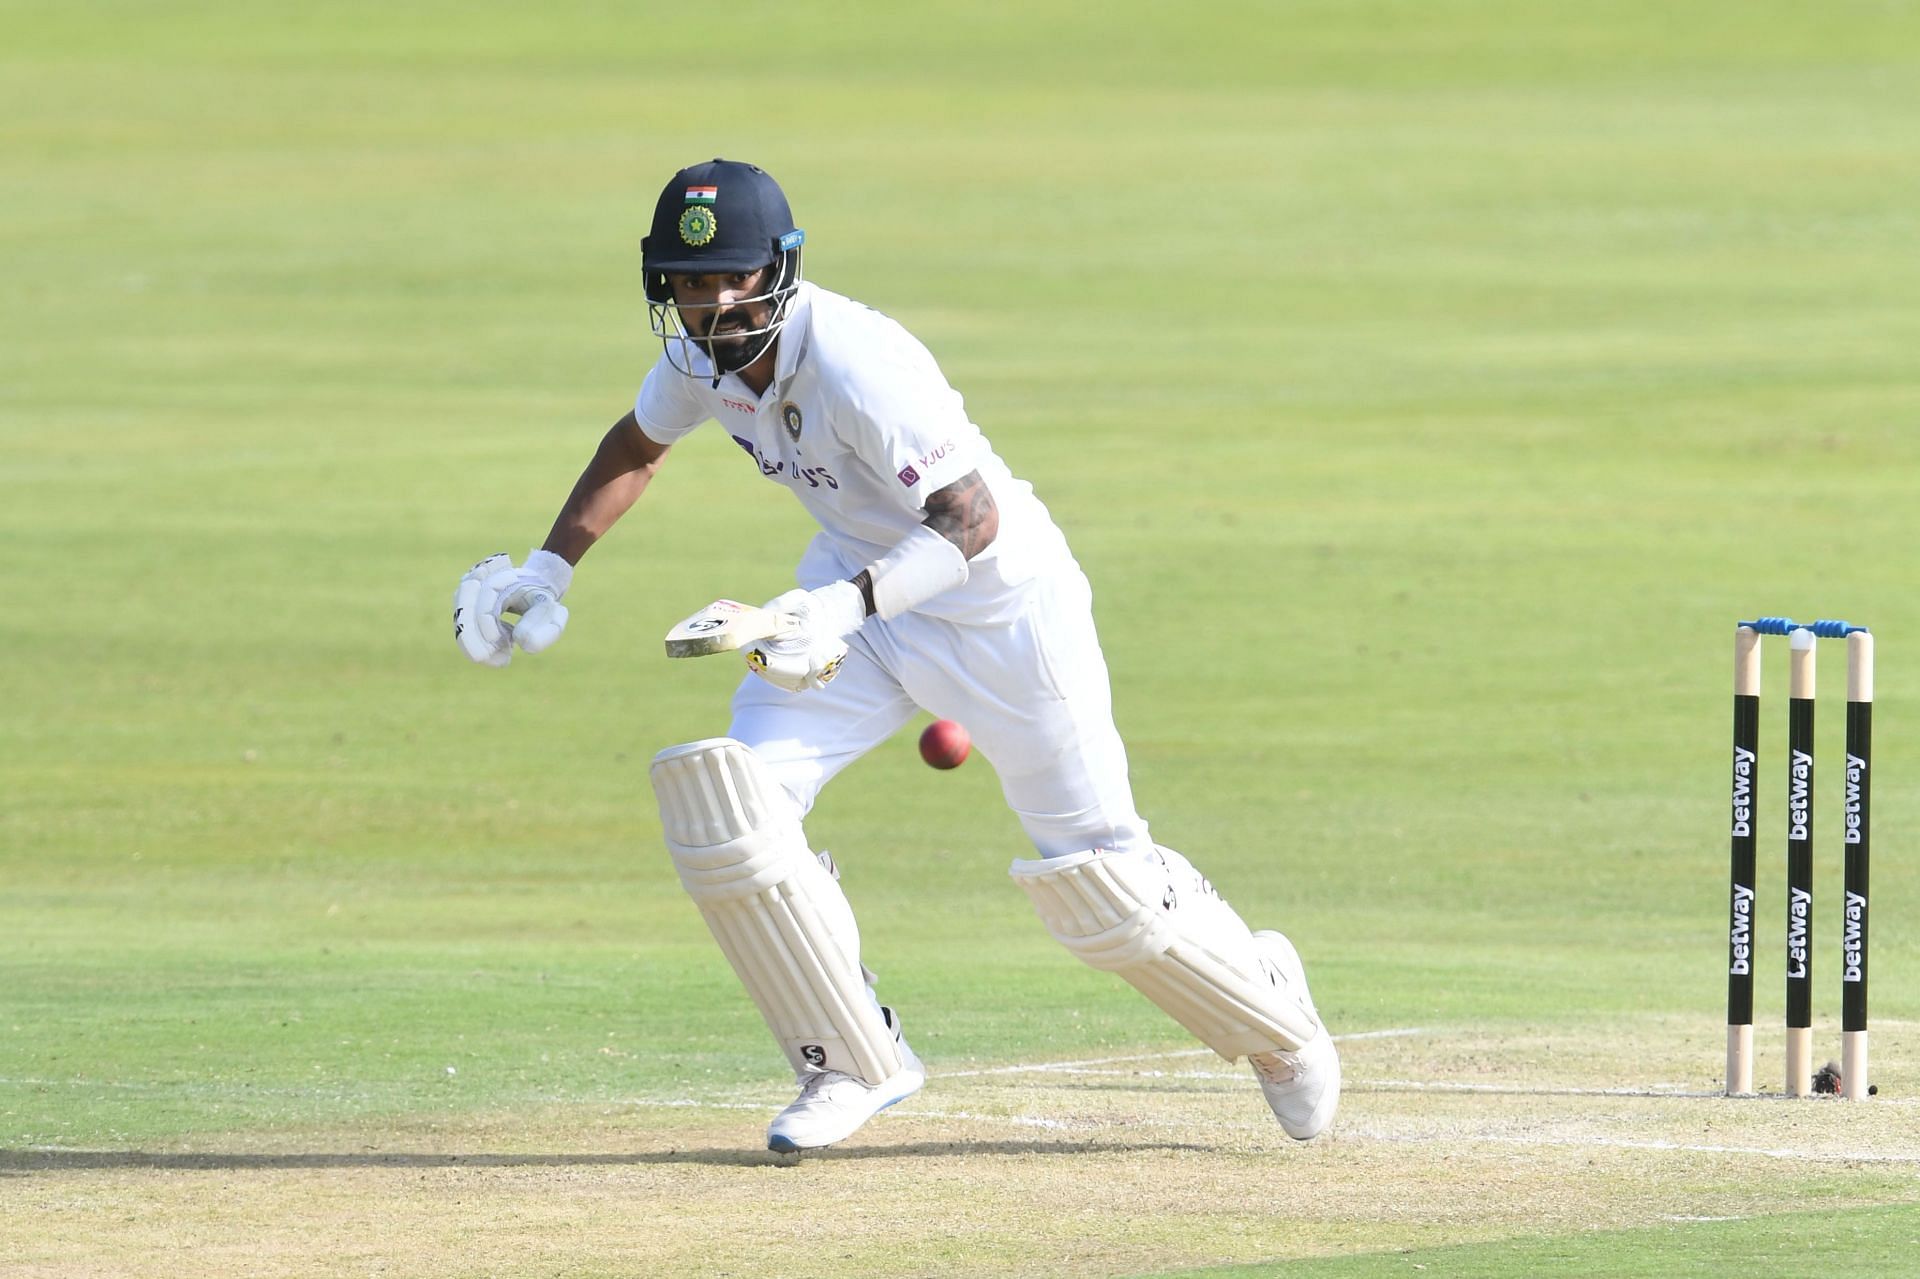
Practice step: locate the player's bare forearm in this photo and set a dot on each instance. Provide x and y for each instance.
(619, 473)
(965, 513)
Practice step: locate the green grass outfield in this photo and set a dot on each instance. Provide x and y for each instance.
(1426, 386)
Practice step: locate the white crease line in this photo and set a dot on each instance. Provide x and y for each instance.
(1022, 1121)
(1674, 1091)
(1074, 1067)
(1081, 1072)
(1048, 1067)
(1657, 1092)
(1654, 1144)
(365, 1090)
(1395, 1085)
(1350, 1133)
(1531, 1090)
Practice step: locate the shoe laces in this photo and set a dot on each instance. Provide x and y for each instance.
(1276, 1067)
(815, 1086)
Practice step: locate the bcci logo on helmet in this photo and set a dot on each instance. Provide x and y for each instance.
(698, 226)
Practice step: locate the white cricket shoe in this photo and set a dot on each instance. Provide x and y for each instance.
(1302, 1088)
(832, 1105)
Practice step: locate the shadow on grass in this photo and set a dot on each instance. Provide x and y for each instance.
(20, 1162)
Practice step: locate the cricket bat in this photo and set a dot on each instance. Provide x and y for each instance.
(725, 626)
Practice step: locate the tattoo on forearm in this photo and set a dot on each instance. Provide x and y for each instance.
(965, 514)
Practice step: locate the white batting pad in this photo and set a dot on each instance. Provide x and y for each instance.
(1154, 920)
(776, 911)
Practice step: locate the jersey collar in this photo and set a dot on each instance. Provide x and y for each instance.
(793, 335)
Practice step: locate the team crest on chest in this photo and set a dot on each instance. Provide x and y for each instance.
(790, 418)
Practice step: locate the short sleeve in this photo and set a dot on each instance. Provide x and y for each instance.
(910, 425)
(666, 407)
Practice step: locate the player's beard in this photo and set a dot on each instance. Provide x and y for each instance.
(730, 345)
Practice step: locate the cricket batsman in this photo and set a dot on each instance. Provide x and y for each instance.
(937, 582)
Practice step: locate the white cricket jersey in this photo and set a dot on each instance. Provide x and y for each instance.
(860, 425)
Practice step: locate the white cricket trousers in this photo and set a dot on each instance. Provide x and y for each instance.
(1033, 693)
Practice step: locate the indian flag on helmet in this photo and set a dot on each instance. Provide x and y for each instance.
(702, 195)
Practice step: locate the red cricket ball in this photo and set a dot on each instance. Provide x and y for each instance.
(945, 744)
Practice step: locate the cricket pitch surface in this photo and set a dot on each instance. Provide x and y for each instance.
(1133, 1164)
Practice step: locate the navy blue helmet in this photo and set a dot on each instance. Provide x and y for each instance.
(719, 218)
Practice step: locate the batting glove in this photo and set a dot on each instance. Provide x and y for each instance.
(808, 654)
(535, 594)
(493, 589)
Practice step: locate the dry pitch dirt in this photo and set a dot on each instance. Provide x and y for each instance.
(1116, 1167)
